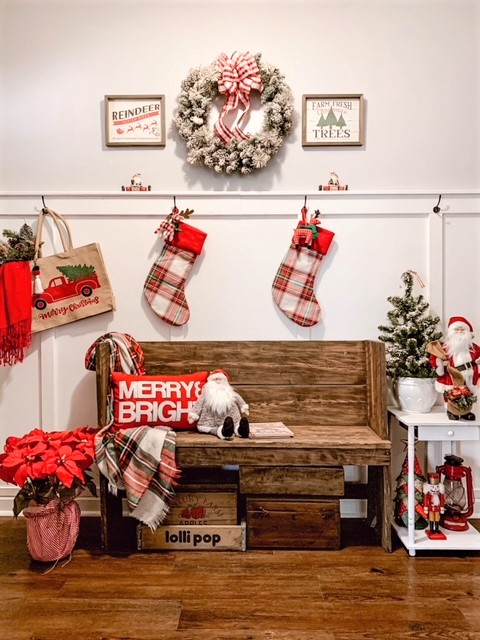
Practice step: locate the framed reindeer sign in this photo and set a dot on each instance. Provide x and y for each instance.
(135, 121)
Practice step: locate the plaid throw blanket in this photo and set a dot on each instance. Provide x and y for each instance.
(125, 353)
(142, 462)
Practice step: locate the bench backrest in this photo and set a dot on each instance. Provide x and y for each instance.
(340, 383)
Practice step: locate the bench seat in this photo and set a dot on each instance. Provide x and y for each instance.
(312, 445)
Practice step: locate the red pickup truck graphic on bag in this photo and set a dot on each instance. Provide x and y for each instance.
(75, 281)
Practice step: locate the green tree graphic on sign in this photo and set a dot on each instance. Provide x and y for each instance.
(341, 121)
(321, 122)
(331, 120)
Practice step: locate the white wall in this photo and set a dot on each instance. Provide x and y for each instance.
(416, 62)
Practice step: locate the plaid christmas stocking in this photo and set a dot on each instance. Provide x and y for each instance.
(293, 286)
(164, 286)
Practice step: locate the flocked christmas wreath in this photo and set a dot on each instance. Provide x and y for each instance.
(224, 149)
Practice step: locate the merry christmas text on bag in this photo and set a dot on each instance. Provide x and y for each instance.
(68, 286)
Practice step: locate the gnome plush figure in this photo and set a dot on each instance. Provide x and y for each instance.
(219, 409)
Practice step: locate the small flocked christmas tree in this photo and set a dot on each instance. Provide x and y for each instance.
(408, 334)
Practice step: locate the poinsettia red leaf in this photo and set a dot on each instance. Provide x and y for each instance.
(73, 469)
(65, 476)
(78, 456)
(11, 443)
(6, 473)
(21, 475)
(12, 461)
(37, 470)
(63, 450)
(50, 467)
(38, 449)
(89, 460)
(35, 436)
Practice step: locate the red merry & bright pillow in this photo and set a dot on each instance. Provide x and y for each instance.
(155, 400)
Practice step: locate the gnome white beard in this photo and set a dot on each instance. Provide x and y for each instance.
(458, 346)
(218, 396)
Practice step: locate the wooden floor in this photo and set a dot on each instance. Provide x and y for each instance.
(357, 592)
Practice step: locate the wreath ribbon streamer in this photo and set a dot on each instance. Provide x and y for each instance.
(239, 75)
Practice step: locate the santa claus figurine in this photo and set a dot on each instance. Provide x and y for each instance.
(219, 409)
(455, 358)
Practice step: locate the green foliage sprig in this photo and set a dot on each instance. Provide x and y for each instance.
(409, 332)
(20, 245)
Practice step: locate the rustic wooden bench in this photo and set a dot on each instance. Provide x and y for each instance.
(332, 395)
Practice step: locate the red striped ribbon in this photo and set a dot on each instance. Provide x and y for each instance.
(239, 75)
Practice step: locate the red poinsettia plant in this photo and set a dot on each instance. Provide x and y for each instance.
(47, 465)
(460, 397)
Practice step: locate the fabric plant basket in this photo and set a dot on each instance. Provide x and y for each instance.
(52, 529)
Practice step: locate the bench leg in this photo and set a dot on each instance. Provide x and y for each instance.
(111, 516)
(380, 504)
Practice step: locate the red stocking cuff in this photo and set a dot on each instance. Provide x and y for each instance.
(189, 238)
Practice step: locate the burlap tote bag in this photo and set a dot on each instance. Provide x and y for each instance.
(68, 286)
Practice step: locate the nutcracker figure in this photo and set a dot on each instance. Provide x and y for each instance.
(434, 505)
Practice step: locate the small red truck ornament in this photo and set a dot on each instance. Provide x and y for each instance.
(60, 288)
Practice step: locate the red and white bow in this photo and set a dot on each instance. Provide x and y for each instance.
(239, 75)
(171, 224)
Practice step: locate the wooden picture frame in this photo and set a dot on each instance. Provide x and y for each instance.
(135, 121)
(333, 120)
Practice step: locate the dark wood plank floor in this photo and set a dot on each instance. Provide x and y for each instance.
(359, 592)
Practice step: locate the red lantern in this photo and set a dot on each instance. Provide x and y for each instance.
(459, 498)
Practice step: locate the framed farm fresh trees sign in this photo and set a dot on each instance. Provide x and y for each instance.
(135, 121)
(333, 120)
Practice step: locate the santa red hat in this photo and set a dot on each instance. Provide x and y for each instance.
(459, 321)
(218, 373)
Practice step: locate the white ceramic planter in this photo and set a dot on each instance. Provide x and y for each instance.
(416, 395)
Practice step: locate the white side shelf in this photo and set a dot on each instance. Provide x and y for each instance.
(433, 426)
(456, 540)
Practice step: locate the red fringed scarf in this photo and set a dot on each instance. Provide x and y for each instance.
(15, 311)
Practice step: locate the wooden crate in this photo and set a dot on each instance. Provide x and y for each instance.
(311, 481)
(194, 538)
(203, 508)
(278, 523)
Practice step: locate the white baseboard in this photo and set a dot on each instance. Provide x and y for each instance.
(90, 506)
